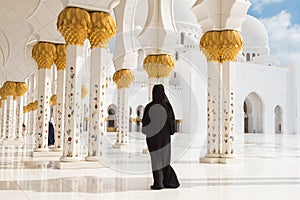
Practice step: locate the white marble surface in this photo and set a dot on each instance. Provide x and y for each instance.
(267, 167)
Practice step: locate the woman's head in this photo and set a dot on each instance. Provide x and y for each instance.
(158, 94)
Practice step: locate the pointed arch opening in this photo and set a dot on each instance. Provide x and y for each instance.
(278, 119)
(253, 114)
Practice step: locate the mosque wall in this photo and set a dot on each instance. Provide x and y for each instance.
(270, 84)
(297, 74)
(291, 112)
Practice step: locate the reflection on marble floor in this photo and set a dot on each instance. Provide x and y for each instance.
(267, 166)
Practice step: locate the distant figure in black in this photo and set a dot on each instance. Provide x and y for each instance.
(158, 126)
(51, 133)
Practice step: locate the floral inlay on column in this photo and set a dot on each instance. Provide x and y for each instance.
(60, 62)
(220, 43)
(43, 53)
(74, 24)
(103, 29)
(4, 111)
(21, 89)
(10, 89)
(123, 79)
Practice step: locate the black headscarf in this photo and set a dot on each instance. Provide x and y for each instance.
(159, 96)
(161, 114)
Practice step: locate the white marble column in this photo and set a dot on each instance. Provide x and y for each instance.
(30, 119)
(73, 23)
(44, 91)
(33, 121)
(14, 119)
(122, 117)
(213, 111)
(35, 124)
(100, 59)
(97, 94)
(4, 113)
(25, 121)
(60, 63)
(43, 53)
(19, 117)
(221, 43)
(0, 118)
(9, 117)
(60, 108)
(123, 78)
(21, 89)
(228, 109)
(10, 90)
(72, 117)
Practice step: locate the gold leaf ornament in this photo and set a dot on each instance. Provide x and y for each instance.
(3, 94)
(123, 78)
(60, 57)
(10, 88)
(21, 88)
(103, 28)
(43, 53)
(74, 24)
(159, 66)
(53, 100)
(221, 46)
(84, 91)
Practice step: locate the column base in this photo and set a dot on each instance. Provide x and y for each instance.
(91, 159)
(221, 159)
(12, 142)
(77, 165)
(57, 149)
(121, 146)
(229, 156)
(46, 154)
(41, 149)
(69, 159)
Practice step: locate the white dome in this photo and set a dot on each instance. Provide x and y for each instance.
(254, 34)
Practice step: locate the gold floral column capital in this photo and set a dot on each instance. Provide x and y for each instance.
(35, 105)
(53, 100)
(103, 28)
(123, 78)
(84, 91)
(21, 88)
(43, 53)
(159, 66)
(25, 109)
(3, 93)
(74, 24)
(30, 107)
(221, 46)
(10, 88)
(60, 57)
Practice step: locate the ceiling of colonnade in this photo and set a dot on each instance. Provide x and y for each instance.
(13, 35)
(25, 22)
(22, 24)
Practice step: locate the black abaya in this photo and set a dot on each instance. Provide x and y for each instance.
(51, 139)
(158, 126)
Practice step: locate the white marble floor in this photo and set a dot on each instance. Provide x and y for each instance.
(267, 167)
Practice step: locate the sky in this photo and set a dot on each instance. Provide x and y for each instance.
(282, 21)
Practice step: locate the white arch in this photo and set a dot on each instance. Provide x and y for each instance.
(253, 113)
(278, 119)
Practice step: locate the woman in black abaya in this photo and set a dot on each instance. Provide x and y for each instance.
(158, 126)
